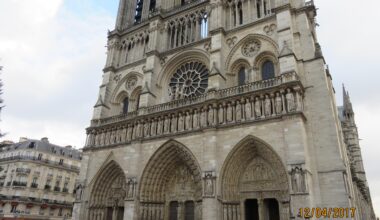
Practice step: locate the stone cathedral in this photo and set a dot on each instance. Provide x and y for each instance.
(219, 110)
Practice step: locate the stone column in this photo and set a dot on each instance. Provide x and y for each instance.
(261, 208)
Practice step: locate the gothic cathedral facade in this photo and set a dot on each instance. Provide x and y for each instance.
(218, 110)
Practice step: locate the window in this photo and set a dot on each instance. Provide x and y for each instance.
(60, 212)
(241, 76)
(267, 71)
(125, 105)
(152, 5)
(173, 215)
(14, 208)
(138, 13)
(39, 157)
(32, 144)
(60, 161)
(189, 80)
(240, 13)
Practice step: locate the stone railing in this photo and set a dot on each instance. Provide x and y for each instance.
(252, 102)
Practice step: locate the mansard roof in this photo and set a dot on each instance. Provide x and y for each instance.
(44, 146)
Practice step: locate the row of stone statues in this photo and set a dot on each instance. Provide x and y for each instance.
(229, 112)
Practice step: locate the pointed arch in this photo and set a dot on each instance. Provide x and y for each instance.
(264, 39)
(161, 165)
(236, 178)
(122, 89)
(101, 185)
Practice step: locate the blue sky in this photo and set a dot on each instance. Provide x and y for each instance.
(53, 53)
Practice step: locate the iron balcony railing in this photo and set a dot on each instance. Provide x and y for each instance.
(42, 161)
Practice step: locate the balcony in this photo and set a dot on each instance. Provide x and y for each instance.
(47, 187)
(24, 171)
(35, 160)
(19, 184)
(249, 103)
(65, 190)
(34, 185)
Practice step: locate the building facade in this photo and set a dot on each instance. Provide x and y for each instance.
(218, 110)
(37, 180)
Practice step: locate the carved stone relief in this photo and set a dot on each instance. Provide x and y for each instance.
(209, 184)
(298, 178)
(269, 29)
(131, 188)
(131, 83)
(251, 48)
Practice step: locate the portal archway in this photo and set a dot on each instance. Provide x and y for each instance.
(171, 184)
(108, 193)
(254, 183)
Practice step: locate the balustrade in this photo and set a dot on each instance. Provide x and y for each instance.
(242, 104)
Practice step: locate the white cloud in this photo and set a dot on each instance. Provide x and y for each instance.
(52, 62)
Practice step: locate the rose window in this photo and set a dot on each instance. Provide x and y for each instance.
(189, 80)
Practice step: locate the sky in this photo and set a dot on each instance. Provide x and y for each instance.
(53, 53)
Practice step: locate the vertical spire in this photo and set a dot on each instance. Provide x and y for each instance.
(347, 105)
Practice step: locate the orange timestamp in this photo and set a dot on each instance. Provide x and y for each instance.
(327, 212)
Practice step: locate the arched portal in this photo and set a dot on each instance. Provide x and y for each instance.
(254, 183)
(108, 193)
(171, 185)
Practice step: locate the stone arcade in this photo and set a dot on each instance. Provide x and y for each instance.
(218, 110)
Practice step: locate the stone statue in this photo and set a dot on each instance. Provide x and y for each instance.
(221, 114)
(210, 116)
(188, 121)
(167, 125)
(147, 129)
(290, 101)
(180, 122)
(195, 119)
(153, 128)
(174, 123)
(238, 111)
(278, 102)
(79, 192)
(159, 126)
(177, 93)
(229, 112)
(203, 118)
(139, 130)
(258, 107)
(130, 188)
(298, 180)
(267, 106)
(248, 110)
(129, 133)
(209, 184)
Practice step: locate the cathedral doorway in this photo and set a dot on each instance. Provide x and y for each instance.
(253, 182)
(171, 187)
(107, 194)
(251, 209)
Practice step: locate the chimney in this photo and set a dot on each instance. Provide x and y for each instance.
(45, 139)
(23, 139)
